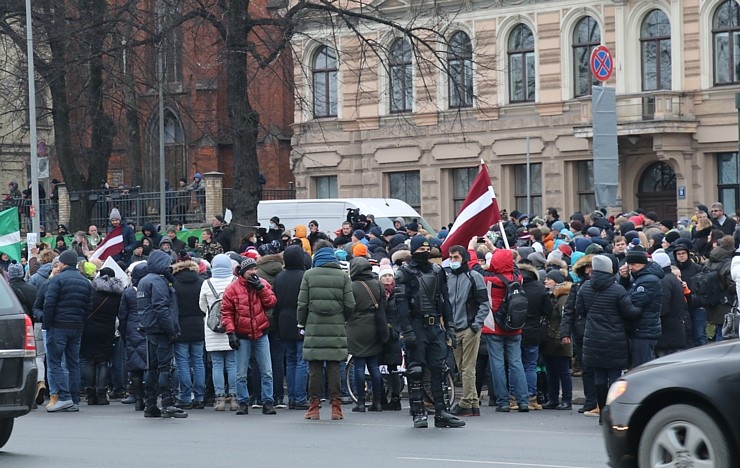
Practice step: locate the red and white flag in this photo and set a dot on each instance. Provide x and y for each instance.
(112, 244)
(478, 213)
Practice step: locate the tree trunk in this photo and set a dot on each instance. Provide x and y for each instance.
(244, 122)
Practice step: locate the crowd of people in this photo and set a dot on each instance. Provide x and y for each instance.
(269, 323)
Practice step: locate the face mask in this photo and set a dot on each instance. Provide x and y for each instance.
(273, 226)
(420, 257)
(455, 265)
(525, 223)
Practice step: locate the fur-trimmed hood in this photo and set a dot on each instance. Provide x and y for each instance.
(557, 263)
(562, 289)
(186, 265)
(106, 284)
(528, 271)
(401, 256)
(582, 263)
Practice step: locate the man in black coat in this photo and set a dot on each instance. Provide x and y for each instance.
(697, 313)
(646, 294)
(674, 311)
(721, 221)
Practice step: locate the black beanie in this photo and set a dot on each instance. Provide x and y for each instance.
(637, 255)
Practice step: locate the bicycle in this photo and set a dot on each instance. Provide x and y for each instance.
(448, 383)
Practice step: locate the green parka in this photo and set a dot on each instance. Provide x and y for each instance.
(324, 303)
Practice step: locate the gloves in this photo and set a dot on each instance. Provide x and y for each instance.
(451, 336)
(233, 341)
(255, 282)
(408, 338)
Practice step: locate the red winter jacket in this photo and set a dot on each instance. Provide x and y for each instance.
(502, 263)
(243, 309)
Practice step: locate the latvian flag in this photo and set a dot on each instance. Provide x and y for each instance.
(112, 244)
(478, 213)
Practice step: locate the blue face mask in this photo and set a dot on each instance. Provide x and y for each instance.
(455, 265)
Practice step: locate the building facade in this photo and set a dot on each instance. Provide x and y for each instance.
(514, 86)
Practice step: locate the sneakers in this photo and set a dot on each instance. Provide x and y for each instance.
(60, 406)
(565, 406)
(458, 410)
(280, 405)
(72, 409)
(173, 412)
(268, 408)
(243, 409)
(197, 404)
(504, 409)
(346, 400)
(300, 405)
(420, 421)
(550, 405)
(255, 403)
(594, 413)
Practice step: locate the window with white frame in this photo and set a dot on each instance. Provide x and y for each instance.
(324, 73)
(655, 45)
(586, 36)
(460, 71)
(522, 74)
(326, 187)
(401, 80)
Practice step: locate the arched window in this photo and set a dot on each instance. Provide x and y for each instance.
(655, 42)
(521, 64)
(325, 83)
(460, 70)
(586, 36)
(726, 42)
(401, 81)
(658, 177)
(172, 129)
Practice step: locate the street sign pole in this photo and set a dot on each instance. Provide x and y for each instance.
(604, 118)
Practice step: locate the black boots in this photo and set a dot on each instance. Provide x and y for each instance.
(444, 419)
(420, 415)
(92, 397)
(102, 394)
(394, 404)
(376, 406)
(359, 407)
(137, 390)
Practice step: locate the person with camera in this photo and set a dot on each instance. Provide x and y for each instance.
(423, 301)
(245, 320)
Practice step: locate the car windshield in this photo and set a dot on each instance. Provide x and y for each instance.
(7, 304)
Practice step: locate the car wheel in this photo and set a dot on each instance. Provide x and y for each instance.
(6, 428)
(683, 435)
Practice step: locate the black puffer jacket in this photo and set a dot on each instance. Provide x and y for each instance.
(156, 298)
(187, 287)
(286, 288)
(674, 313)
(100, 325)
(646, 294)
(538, 305)
(129, 324)
(572, 324)
(605, 342)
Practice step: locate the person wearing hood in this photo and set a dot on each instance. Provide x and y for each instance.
(158, 311)
(539, 307)
(165, 245)
(363, 335)
(189, 344)
(98, 335)
(423, 302)
(301, 234)
(148, 230)
(134, 341)
(245, 320)
(555, 353)
(608, 310)
(674, 312)
(469, 303)
(287, 286)
(325, 301)
(217, 344)
(572, 326)
(642, 279)
(269, 266)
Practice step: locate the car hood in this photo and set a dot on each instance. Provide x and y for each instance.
(703, 353)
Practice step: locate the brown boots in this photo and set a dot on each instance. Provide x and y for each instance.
(313, 410)
(336, 409)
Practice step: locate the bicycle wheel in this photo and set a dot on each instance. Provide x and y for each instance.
(348, 373)
(448, 389)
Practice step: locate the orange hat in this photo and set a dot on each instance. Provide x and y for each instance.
(359, 250)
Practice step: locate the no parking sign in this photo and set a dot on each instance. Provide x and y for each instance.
(602, 63)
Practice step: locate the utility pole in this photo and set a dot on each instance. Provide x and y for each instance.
(35, 206)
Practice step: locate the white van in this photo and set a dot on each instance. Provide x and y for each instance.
(330, 213)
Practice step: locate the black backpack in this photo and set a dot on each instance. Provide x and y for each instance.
(706, 288)
(512, 312)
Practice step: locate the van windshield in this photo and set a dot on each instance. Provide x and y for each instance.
(387, 222)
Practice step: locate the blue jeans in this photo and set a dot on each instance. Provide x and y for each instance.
(510, 345)
(116, 367)
(277, 354)
(65, 343)
(558, 375)
(219, 361)
(190, 355)
(530, 354)
(699, 326)
(372, 363)
(261, 350)
(50, 383)
(296, 371)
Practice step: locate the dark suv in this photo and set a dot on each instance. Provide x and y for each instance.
(17, 361)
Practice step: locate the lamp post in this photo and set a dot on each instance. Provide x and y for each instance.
(35, 220)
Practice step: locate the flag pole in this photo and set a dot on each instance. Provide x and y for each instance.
(503, 234)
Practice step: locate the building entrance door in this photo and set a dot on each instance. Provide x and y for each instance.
(657, 190)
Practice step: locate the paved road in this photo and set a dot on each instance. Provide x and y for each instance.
(115, 436)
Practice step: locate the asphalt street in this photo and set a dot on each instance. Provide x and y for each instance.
(115, 436)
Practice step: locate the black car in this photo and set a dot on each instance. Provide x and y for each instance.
(17, 361)
(680, 410)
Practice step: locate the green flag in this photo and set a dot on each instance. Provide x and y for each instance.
(10, 234)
